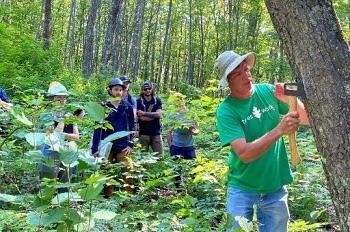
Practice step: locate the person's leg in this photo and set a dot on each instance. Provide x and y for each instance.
(175, 153)
(273, 212)
(145, 141)
(240, 203)
(157, 144)
(121, 157)
(189, 152)
(46, 172)
(109, 189)
(64, 176)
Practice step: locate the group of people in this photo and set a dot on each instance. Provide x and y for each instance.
(248, 121)
(125, 113)
(124, 110)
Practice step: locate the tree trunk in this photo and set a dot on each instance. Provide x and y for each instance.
(236, 12)
(230, 25)
(153, 44)
(47, 21)
(202, 57)
(322, 62)
(97, 41)
(70, 35)
(135, 53)
(110, 32)
(160, 70)
(190, 55)
(88, 51)
(117, 47)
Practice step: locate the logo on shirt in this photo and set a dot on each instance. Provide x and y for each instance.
(257, 113)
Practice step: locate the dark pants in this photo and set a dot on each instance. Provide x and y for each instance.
(57, 171)
(184, 153)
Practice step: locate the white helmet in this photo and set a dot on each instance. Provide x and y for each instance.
(57, 89)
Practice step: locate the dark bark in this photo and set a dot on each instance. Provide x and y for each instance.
(160, 70)
(145, 69)
(190, 47)
(88, 51)
(110, 32)
(135, 49)
(71, 34)
(322, 62)
(47, 22)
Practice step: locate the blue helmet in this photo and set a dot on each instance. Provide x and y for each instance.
(125, 79)
(116, 81)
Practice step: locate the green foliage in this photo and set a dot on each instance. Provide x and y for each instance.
(23, 64)
(158, 205)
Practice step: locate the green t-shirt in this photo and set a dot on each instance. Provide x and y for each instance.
(252, 118)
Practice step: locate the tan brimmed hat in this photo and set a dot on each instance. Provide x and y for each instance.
(227, 62)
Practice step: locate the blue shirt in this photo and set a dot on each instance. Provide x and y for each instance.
(122, 119)
(3, 96)
(182, 136)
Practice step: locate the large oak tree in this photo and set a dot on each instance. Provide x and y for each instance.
(320, 58)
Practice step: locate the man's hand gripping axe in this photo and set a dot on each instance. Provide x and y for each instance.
(292, 90)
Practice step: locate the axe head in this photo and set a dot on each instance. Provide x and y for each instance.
(294, 89)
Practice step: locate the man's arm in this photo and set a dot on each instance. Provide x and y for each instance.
(148, 116)
(73, 136)
(169, 135)
(251, 151)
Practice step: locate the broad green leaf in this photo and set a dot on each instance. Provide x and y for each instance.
(63, 197)
(115, 136)
(34, 156)
(199, 168)
(198, 177)
(35, 139)
(95, 111)
(104, 214)
(10, 198)
(22, 118)
(68, 152)
(176, 201)
(74, 215)
(155, 182)
(53, 216)
(94, 178)
(91, 191)
(47, 193)
(33, 219)
(189, 221)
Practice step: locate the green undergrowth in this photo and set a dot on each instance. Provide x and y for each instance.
(26, 204)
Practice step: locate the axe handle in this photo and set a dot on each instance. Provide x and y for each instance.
(294, 154)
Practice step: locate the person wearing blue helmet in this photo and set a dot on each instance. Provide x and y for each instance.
(121, 117)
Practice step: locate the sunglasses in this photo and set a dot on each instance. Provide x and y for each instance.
(146, 89)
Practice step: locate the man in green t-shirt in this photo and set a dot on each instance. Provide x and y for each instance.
(249, 121)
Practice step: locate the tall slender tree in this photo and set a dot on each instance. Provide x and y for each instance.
(110, 33)
(190, 46)
(47, 22)
(164, 45)
(70, 45)
(88, 50)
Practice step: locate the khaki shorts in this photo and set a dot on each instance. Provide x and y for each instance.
(155, 142)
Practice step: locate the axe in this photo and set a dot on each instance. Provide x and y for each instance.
(292, 90)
